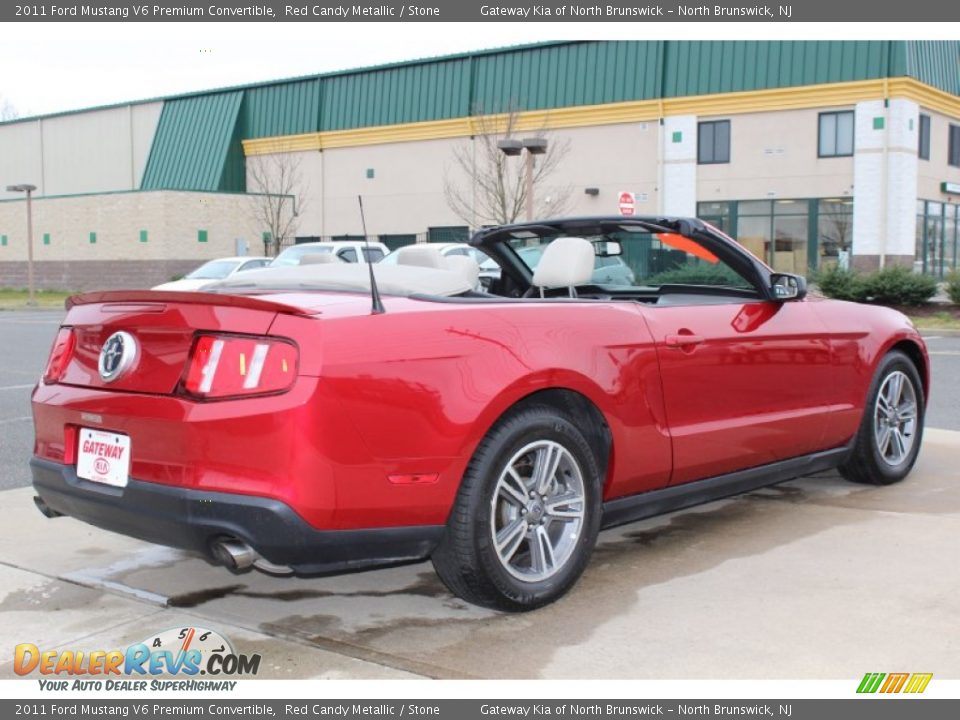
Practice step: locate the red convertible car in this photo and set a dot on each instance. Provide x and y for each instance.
(292, 420)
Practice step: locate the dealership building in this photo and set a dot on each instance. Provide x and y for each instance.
(808, 153)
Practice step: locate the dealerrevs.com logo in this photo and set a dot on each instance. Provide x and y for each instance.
(188, 652)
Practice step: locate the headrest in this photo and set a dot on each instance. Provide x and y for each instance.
(467, 267)
(319, 259)
(421, 255)
(566, 262)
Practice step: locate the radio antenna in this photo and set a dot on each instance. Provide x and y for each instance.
(377, 306)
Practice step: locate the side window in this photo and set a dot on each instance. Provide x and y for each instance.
(252, 265)
(835, 137)
(953, 152)
(348, 255)
(459, 251)
(713, 142)
(373, 254)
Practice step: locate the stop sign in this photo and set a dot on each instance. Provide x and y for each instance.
(627, 204)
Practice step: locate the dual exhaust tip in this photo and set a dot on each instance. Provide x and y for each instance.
(237, 555)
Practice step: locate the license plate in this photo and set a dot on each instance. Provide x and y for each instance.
(104, 457)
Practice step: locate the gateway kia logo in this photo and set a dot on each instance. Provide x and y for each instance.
(117, 355)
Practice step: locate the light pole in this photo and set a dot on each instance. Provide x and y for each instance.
(28, 189)
(533, 146)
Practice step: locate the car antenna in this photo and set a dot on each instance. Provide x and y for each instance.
(377, 308)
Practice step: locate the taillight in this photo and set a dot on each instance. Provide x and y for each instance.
(60, 355)
(222, 366)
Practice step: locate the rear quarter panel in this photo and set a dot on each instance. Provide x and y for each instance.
(423, 383)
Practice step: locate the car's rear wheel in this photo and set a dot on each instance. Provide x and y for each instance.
(527, 515)
(888, 440)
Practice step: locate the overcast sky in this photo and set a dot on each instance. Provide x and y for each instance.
(50, 67)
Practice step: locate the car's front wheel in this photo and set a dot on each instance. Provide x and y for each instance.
(888, 441)
(527, 514)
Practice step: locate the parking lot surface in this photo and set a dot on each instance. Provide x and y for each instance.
(816, 578)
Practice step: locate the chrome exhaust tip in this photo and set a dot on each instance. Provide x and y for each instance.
(44, 508)
(234, 554)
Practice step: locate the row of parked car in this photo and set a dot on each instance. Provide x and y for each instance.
(608, 270)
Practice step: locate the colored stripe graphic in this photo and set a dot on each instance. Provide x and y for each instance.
(894, 683)
(870, 682)
(918, 682)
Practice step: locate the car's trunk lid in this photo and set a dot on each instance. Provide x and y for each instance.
(163, 326)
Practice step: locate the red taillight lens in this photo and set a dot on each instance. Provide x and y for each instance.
(60, 355)
(222, 366)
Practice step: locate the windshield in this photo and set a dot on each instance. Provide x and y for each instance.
(647, 259)
(292, 255)
(213, 270)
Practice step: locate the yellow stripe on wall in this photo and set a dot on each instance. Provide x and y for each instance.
(794, 98)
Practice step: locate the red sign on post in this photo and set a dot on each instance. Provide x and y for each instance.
(627, 204)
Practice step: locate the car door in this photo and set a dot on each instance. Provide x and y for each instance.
(744, 383)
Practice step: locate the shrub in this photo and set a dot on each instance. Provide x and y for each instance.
(695, 273)
(840, 284)
(898, 285)
(953, 286)
(894, 285)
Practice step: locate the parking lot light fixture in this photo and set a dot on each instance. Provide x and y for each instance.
(28, 189)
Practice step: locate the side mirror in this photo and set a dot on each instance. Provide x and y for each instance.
(784, 286)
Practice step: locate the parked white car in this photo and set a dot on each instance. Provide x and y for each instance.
(351, 251)
(211, 272)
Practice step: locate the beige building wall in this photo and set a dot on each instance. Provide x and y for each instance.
(105, 150)
(88, 241)
(774, 155)
(406, 193)
(935, 171)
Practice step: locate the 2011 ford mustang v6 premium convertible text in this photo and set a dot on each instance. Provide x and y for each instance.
(289, 420)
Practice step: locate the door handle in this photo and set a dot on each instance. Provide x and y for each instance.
(681, 339)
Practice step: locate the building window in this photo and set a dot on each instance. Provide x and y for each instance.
(924, 149)
(836, 134)
(953, 156)
(713, 142)
(938, 234)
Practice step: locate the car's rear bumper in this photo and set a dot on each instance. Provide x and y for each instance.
(194, 520)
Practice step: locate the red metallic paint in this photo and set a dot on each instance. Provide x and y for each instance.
(413, 391)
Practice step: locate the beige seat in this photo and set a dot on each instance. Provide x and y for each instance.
(466, 267)
(421, 255)
(566, 262)
(319, 259)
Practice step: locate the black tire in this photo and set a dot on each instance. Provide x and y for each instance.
(467, 559)
(866, 463)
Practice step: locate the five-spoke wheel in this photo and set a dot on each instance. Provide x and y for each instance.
(886, 445)
(527, 514)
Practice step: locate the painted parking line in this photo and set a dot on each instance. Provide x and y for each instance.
(17, 387)
(944, 352)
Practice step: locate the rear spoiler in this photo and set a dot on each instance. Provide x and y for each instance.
(192, 298)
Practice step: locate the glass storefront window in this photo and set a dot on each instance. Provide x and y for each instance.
(834, 232)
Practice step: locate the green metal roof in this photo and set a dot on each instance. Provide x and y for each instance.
(194, 138)
(198, 140)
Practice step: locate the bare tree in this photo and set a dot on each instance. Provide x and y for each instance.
(7, 109)
(281, 195)
(482, 185)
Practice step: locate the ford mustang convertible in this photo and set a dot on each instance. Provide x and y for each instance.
(301, 420)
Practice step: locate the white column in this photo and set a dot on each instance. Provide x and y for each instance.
(885, 179)
(678, 195)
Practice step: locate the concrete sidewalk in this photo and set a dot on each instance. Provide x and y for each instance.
(816, 578)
